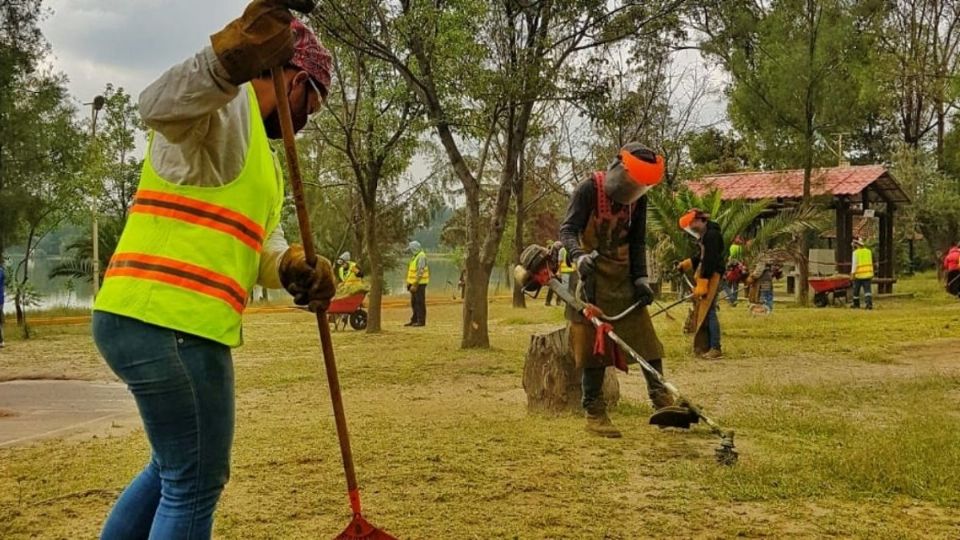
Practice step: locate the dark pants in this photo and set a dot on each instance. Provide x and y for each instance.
(418, 301)
(953, 283)
(183, 386)
(591, 384)
(864, 285)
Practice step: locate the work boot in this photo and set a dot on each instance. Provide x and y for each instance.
(713, 354)
(599, 424)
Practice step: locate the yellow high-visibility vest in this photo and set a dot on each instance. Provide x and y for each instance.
(348, 274)
(412, 270)
(862, 263)
(189, 255)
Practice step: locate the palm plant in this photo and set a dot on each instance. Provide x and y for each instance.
(79, 265)
(736, 217)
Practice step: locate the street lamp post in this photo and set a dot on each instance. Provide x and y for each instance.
(97, 104)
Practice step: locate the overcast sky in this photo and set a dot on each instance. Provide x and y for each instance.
(130, 42)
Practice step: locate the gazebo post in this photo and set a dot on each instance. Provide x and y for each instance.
(888, 252)
(844, 225)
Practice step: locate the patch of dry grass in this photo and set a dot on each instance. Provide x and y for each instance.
(848, 425)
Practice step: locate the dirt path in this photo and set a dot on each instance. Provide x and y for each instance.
(41, 409)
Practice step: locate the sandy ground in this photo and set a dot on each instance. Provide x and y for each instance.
(832, 410)
(74, 410)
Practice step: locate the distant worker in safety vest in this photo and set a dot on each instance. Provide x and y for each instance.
(418, 277)
(951, 269)
(348, 272)
(568, 270)
(204, 228)
(735, 272)
(862, 273)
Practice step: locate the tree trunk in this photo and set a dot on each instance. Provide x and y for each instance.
(551, 379)
(375, 298)
(475, 334)
(519, 299)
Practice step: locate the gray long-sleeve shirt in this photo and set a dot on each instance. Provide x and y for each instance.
(202, 124)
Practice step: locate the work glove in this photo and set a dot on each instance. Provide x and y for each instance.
(413, 288)
(310, 286)
(685, 265)
(642, 291)
(702, 288)
(751, 280)
(259, 40)
(587, 265)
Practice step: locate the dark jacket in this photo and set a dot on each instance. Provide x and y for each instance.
(583, 203)
(713, 252)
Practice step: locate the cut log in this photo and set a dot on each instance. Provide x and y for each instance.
(552, 380)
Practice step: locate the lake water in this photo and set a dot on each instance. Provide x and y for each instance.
(60, 292)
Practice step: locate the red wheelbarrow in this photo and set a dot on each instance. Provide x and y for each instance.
(348, 309)
(824, 287)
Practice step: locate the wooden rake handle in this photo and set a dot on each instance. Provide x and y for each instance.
(326, 342)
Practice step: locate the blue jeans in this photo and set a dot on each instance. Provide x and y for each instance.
(713, 326)
(766, 298)
(183, 386)
(731, 291)
(865, 286)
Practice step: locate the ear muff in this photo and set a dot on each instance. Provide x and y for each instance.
(641, 171)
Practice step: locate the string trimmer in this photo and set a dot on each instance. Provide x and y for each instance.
(359, 528)
(536, 272)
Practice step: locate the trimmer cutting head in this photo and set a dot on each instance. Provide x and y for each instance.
(676, 416)
(726, 453)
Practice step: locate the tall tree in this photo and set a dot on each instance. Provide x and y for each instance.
(793, 67)
(372, 122)
(915, 64)
(478, 68)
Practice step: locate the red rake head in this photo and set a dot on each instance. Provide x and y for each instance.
(361, 529)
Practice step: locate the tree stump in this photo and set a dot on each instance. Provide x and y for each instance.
(552, 380)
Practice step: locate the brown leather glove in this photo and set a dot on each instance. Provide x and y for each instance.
(312, 287)
(259, 40)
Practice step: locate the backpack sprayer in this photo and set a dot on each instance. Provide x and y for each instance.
(538, 269)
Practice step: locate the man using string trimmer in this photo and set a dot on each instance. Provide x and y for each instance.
(604, 234)
(708, 266)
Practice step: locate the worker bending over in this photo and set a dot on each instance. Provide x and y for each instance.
(604, 233)
(204, 228)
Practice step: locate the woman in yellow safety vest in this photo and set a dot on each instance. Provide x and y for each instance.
(862, 271)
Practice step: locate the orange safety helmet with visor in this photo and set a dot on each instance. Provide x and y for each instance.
(687, 219)
(633, 173)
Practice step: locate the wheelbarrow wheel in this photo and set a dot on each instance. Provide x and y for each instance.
(358, 319)
(821, 300)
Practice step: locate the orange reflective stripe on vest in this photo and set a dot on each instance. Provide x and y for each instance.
(180, 274)
(200, 213)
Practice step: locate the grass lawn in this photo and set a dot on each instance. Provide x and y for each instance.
(848, 425)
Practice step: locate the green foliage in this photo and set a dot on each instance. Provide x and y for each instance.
(670, 243)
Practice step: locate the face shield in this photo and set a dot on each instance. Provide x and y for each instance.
(630, 177)
(687, 220)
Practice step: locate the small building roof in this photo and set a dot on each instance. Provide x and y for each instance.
(788, 184)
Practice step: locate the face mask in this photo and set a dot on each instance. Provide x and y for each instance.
(298, 114)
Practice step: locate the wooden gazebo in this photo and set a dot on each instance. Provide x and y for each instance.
(867, 191)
